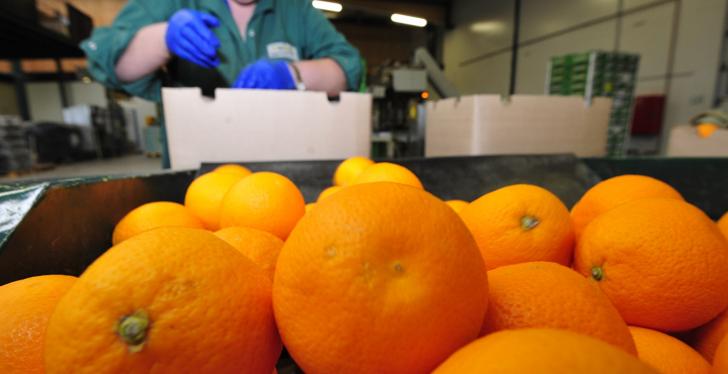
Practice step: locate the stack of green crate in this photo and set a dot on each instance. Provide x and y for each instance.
(599, 73)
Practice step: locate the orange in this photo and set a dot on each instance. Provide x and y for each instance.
(170, 300)
(549, 295)
(720, 364)
(350, 169)
(707, 337)
(723, 225)
(259, 246)
(457, 205)
(309, 207)
(379, 278)
(616, 191)
(520, 223)
(151, 216)
(264, 201)
(328, 192)
(239, 170)
(706, 130)
(667, 354)
(662, 263)
(386, 172)
(204, 196)
(542, 351)
(26, 307)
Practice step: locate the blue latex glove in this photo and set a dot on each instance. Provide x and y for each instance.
(189, 36)
(266, 74)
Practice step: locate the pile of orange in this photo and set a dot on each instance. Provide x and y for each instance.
(380, 276)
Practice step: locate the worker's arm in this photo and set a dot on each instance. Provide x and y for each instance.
(332, 64)
(146, 53)
(188, 34)
(106, 46)
(322, 75)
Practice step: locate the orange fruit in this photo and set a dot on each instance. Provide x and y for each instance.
(542, 351)
(169, 300)
(723, 225)
(706, 130)
(457, 205)
(239, 170)
(350, 169)
(549, 295)
(309, 207)
(387, 172)
(264, 201)
(662, 263)
(379, 278)
(204, 196)
(667, 354)
(706, 338)
(151, 216)
(520, 223)
(259, 246)
(328, 192)
(26, 307)
(614, 192)
(720, 364)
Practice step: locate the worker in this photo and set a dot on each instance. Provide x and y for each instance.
(254, 44)
(265, 44)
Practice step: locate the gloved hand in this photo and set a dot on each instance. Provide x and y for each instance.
(189, 36)
(266, 74)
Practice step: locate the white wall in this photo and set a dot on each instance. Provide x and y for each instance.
(556, 27)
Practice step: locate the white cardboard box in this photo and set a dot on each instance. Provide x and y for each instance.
(685, 142)
(262, 125)
(525, 124)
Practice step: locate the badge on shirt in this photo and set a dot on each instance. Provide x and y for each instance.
(283, 51)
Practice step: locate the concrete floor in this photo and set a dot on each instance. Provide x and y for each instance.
(132, 164)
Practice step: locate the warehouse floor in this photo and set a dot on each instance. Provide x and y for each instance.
(132, 164)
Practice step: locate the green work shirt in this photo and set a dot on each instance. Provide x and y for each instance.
(279, 29)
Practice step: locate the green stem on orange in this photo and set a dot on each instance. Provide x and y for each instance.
(529, 222)
(132, 329)
(597, 273)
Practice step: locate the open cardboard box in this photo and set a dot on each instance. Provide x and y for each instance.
(264, 125)
(524, 124)
(685, 142)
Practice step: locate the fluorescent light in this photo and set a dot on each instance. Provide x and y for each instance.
(409, 20)
(328, 6)
(487, 27)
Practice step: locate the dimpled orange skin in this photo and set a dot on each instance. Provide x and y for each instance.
(542, 351)
(241, 171)
(549, 295)
(723, 225)
(457, 205)
(154, 215)
(350, 169)
(667, 354)
(208, 307)
(706, 338)
(720, 364)
(257, 245)
(388, 172)
(614, 192)
(26, 307)
(264, 201)
(500, 224)
(662, 263)
(328, 192)
(379, 278)
(205, 194)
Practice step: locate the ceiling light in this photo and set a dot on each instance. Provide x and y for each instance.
(409, 20)
(328, 6)
(488, 27)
